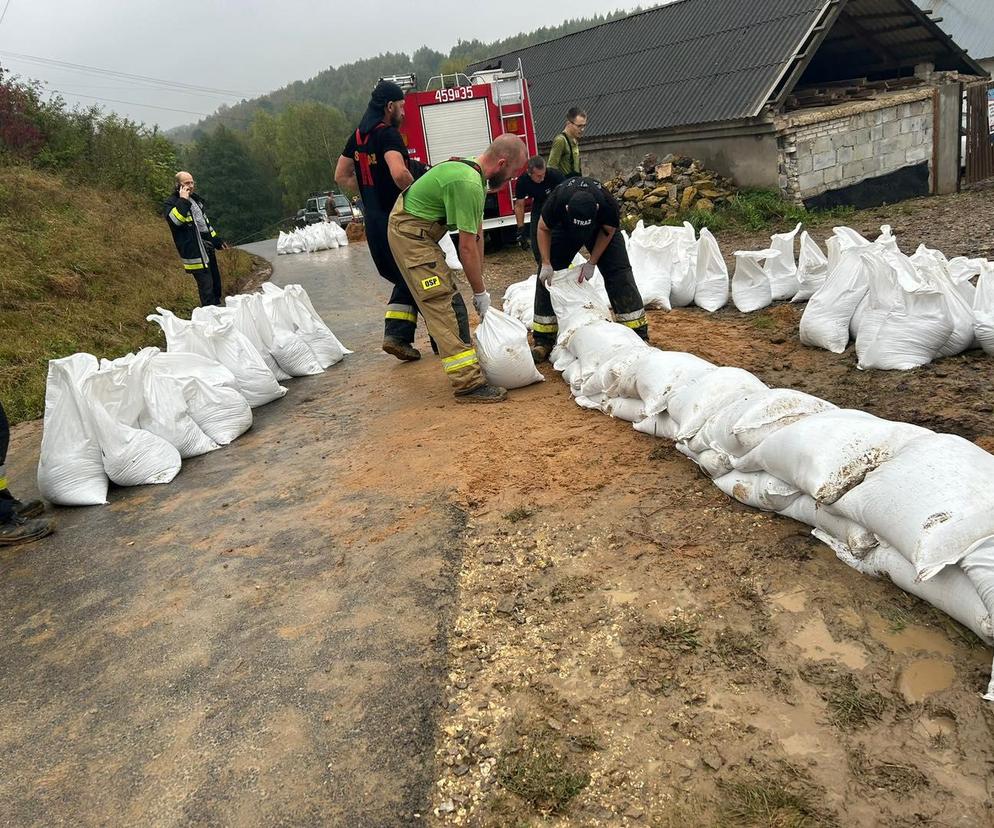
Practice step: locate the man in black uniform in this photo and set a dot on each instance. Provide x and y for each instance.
(375, 162)
(535, 183)
(581, 213)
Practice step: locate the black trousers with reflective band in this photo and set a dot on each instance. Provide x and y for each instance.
(401, 319)
(619, 281)
(209, 282)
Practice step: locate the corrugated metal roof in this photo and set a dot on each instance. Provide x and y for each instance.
(969, 22)
(689, 62)
(696, 62)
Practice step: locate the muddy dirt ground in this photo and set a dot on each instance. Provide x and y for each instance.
(634, 648)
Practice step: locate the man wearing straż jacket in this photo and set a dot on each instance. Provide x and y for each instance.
(581, 213)
(194, 237)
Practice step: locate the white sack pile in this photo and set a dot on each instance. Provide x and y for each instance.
(890, 498)
(902, 311)
(132, 420)
(503, 351)
(324, 235)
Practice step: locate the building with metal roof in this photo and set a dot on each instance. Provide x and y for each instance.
(720, 79)
(969, 22)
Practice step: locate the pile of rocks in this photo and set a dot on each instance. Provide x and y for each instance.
(659, 189)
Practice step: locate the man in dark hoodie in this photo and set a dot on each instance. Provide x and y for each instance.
(375, 163)
(194, 237)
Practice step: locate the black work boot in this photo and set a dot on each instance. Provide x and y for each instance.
(540, 353)
(482, 394)
(17, 530)
(404, 351)
(31, 509)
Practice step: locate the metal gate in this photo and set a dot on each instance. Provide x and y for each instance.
(979, 160)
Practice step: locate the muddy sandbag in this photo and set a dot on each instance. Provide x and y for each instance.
(828, 453)
(759, 490)
(654, 376)
(693, 404)
(933, 501)
(858, 540)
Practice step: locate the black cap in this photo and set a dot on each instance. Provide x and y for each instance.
(385, 92)
(581, 210)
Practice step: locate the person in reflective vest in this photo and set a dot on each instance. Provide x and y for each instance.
(450, 196)
(375, 163)
(581, 213)
(195, 238)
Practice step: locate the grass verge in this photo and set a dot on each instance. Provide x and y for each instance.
(81, 269)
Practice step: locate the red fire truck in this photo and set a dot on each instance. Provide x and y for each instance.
(459, 115)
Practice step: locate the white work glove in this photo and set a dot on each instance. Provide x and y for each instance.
(545, 274)
(481, 301)
(586, 272)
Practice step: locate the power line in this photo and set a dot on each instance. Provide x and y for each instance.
(2, 16)
(79, 67)
(153, 106)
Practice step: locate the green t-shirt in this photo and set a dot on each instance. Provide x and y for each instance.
(565, 155)
(452, 193)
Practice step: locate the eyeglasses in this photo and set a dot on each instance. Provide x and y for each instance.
(579, 126)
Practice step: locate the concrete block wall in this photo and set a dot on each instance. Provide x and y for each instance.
(838, 152)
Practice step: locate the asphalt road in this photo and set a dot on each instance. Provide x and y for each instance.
(260, 642)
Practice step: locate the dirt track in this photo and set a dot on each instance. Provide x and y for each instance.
(627, 646)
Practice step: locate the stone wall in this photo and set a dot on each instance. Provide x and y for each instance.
(844, 148)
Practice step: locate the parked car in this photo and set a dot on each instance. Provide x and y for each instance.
(327, 207)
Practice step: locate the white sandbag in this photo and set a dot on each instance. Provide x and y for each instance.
(282, 243)
(782, 270)
(604, 379)
(211, 393)
(595, 403)
(658, 425)
(519, 301)
(933, 501)
(656, 375)
(962, 271)
(825, 321)
(913, 331)
(742, 425)
(70, 464)
(841, 240)
(451, 255)
(167, 414)
(886, 240)
(570, 297)
(311, 326)
(883, 294)
(751, 289)
(599, 341)
(132, 457)
(711, 292)
(713, 463)
(693, 404)
(856, 539)
(651, 257)
(629, 409)
(812, 268)
(828, 453)
(683, 276)
(933, 268)
(245, 323)
(983, 308)
(291, 353)
(504, 353)
(758, 489)
(222, 342)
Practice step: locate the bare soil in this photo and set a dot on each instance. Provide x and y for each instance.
(631, 647)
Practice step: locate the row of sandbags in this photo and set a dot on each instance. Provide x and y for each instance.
(890, 498)
(323, 235)
(901, 311)
(132, 420)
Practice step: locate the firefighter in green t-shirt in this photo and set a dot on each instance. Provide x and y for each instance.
(565, 153)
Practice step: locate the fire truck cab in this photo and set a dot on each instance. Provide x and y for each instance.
(459, 115)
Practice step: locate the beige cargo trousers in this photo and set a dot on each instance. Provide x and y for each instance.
(414, 243)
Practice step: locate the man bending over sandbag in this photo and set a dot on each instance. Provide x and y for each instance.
(581, 213)
(450, 196)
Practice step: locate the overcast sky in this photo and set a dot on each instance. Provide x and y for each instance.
(247, 46)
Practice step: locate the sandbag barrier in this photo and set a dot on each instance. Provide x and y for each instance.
(901, 311)
(133, 420)
(889, 498)
(323, 235)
